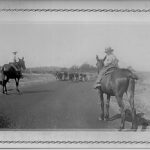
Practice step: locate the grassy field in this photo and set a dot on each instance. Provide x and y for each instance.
(36, 78)
(30, 79)
(142, 94)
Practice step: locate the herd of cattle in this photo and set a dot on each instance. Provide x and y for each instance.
(75, 76)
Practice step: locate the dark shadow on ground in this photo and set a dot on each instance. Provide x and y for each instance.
(14, 92)
(5, 122)
(140, 120)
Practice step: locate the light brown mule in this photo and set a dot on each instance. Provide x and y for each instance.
(120, 81)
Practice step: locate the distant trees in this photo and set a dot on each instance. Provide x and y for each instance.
(42, 70)
(74, 68)
(85, 67)
(64, 69)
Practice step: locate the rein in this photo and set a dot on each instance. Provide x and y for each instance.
(18, 65)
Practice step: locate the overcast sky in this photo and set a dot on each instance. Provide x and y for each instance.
(69, 44)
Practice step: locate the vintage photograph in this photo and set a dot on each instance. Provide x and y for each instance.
(75, 76)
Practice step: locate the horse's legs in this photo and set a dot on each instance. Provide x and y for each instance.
(17, 84)
(4, 85)
(4, 78)
(107, 107)
(122, 107)
(102, 104)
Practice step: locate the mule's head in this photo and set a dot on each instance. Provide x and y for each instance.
(21, 63)
(99, 64)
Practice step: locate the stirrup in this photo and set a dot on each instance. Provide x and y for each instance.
(97, 86)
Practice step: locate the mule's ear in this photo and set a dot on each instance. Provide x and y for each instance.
(97, 57)
(22, 58)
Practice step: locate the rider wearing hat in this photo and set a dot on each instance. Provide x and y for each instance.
(15, 66)
(110, 61)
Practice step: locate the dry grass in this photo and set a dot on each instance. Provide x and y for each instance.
(142, 94)
(30, 79)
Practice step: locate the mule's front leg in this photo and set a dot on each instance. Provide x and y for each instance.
(4, 87)
(102, 104)
(107, 107)
(17, 84)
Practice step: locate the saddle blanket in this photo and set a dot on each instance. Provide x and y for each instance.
(109, 70)
(8, 66)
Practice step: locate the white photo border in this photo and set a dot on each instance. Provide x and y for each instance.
(75, 139)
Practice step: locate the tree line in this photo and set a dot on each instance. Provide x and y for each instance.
(85, 67)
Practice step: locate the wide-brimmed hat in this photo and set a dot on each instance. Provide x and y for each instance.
(108, 50)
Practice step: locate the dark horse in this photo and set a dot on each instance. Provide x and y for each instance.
(12, 71)
(118, 82)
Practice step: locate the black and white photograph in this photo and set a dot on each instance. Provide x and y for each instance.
(74, 76)
(74, 71)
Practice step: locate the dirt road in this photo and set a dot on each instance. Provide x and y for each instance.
(54, 105)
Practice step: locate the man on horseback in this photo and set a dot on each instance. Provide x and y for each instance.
(13, 70)
(15, 65)
(110, 63)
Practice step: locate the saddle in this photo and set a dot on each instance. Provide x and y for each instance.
(14, 65)
(8, 66)
(110, 70)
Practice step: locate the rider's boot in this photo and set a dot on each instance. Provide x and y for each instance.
(97, 85)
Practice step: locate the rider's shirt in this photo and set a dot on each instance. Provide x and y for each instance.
(111, 60)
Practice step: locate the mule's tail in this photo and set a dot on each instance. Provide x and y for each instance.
(131, 88)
